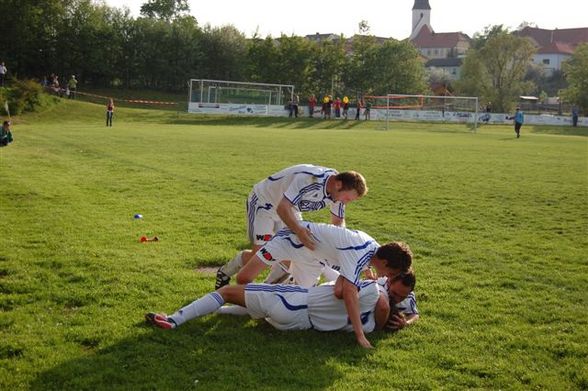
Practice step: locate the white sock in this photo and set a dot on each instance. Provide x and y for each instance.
(277, 272)
(232, 310)
(234, 265)
(203, 306)
(329, 273)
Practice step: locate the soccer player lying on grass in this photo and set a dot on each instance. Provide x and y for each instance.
(292, 307)
(350, 252)
(340, 248)
(278, 202)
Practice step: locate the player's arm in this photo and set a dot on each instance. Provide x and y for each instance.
(338, 221)
(382, 311)
(351, 299)
(400, 321)
(410, 319)
(286, 212)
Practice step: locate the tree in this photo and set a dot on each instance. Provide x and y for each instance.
(165, 9)
(261, 56)
(388, 67)
(327, 66)
(576, 73)
(479, 40)
(496, 71)
(440, 81)
(358, 73)
(364, 27)
(224, 51)
(397, 69)
(29, 35)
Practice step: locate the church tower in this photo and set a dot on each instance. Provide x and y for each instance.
(421, 15)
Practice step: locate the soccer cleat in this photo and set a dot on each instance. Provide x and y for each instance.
(160, 320)
(222, 279)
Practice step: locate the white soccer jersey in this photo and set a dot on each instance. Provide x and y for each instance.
(304, 185)
(346, 251)
(408, 306)
(327, 313)
(290, 307)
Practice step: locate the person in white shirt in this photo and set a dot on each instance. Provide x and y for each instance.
(348, 251)
(292, 307)
(3, 72)
(278, 202)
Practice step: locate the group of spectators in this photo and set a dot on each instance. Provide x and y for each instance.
(329, 106)
(68, 90)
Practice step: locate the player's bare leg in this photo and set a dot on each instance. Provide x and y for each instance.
(250, 270)
(229, 269)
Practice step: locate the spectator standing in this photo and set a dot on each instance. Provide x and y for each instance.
(345, 106)
(72, 85)
(359, 105)
(337, 105)
(109, 112)
(311, 105)
(326, 107)
(3, 72)
(366, 111)
(329, 106)
(574, 116)
(295, 101)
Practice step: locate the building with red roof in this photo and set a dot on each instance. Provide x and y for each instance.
(553, 46)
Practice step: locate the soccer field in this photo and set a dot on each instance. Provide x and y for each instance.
(498, 225)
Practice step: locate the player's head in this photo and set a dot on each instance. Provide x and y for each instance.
(6, 124)
(393, 258)
(348, 186)
(401, 285)
(518, 108)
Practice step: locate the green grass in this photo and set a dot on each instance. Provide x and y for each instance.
(498, 226)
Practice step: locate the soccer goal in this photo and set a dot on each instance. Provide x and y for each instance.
(234, 97)
(399, 107)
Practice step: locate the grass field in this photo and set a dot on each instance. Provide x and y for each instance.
(499, 228)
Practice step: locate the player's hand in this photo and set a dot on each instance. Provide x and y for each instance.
(364, 343)
(305, 237)
(369, 274)
(396, 322)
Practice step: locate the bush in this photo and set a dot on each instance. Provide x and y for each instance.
(23, 96)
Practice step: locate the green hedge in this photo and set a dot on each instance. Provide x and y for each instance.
(24, 96)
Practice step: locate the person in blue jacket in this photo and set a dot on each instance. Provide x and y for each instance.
(519, 118)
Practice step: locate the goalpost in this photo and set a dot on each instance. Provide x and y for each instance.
(401, 107)
(235, 97)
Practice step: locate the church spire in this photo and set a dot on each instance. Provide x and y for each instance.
(421, 16)
(421, 5)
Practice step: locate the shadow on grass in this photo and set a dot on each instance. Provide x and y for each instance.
(561, 130)
(213, 353)
(275, 122)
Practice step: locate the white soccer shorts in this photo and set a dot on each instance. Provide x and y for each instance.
(263, 220)
(283, 306)
(285, 246)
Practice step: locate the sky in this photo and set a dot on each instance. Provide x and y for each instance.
(386, 18)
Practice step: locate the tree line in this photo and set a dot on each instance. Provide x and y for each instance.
(165, 47)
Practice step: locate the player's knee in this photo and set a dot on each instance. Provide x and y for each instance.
(243, 278)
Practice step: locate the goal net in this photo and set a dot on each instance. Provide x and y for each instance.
(233, 97)
(399, 107)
